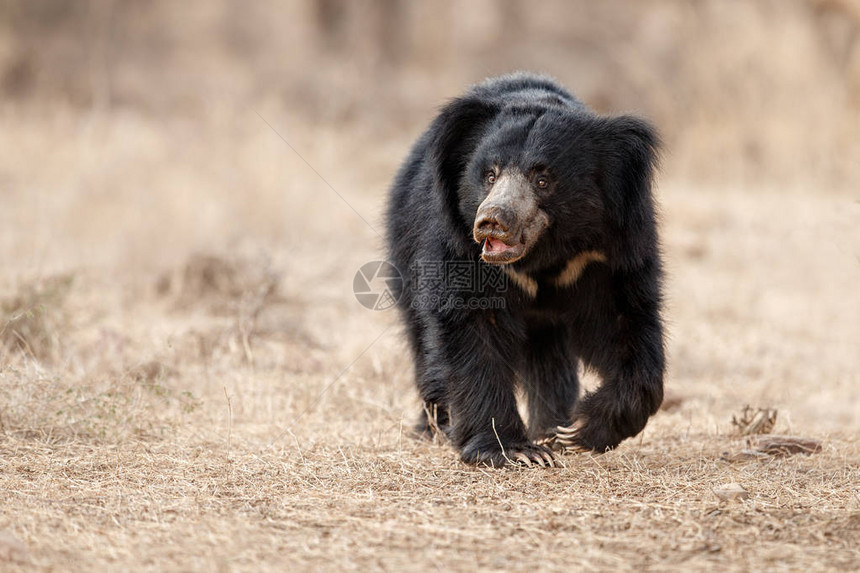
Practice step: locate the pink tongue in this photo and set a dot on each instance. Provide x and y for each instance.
(495, 245)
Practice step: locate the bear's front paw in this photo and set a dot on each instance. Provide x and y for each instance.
(480, 450)
(563, 439)
(600, 423)
(567, 439)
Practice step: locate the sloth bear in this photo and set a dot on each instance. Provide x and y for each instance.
(524, 227)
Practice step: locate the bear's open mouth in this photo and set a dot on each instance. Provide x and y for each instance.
(497, 251)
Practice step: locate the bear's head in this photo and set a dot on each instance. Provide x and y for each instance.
(535, 184)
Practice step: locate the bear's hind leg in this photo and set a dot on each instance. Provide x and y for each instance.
(433, 419)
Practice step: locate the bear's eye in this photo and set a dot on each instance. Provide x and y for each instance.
(542, 182)
(490, 177)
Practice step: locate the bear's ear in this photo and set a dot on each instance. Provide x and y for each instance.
(454, 136)
(456, 133)
(628, 159)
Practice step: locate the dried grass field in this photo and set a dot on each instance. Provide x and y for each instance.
(188, 383)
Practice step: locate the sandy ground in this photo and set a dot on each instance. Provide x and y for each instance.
(187, 382)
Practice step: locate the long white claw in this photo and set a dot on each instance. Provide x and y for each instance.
(567, 441)
(548, 457)
(575, 449)
(521, 457)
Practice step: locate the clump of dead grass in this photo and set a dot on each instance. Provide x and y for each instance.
(58, 408)
(222, 285)
(60, 381)
(245, 298)
(34, 320)
(754, 420)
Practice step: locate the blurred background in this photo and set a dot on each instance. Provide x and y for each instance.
(122, 102)
(156, 153)
(741, 89)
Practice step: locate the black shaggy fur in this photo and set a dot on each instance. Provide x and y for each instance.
(596, 192)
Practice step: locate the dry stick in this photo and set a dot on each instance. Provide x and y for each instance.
(298, 447)
(25, 346)
(249, 314)
(229, 421)
(345, 462)
(432, 413)
(246, 344)
(493, 421)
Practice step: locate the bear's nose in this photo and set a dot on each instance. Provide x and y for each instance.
(494, 219)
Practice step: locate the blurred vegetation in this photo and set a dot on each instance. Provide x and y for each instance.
(35, 319)
(753, 90)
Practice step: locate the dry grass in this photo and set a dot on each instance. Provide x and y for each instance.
(187, 383)
(192, 412)
(386, 504)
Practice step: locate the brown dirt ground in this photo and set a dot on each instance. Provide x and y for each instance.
(186, 382)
